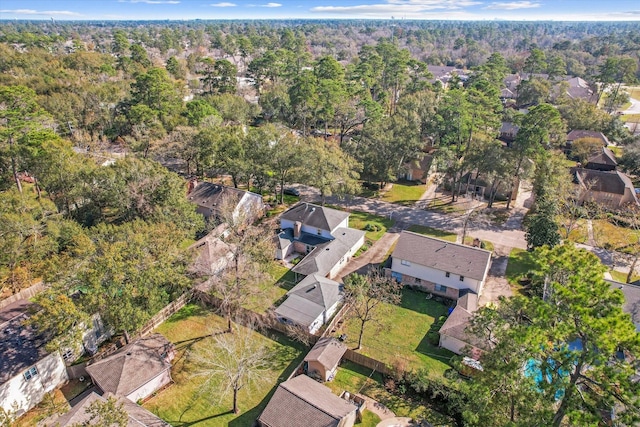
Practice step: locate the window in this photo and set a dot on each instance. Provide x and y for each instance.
(68, 355)
(462, 278)
(447, 274)
(405, 262)
(30, 373)
(440, 288)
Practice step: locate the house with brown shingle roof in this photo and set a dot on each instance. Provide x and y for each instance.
(440, 267)
(136, 370)
(603, 160)
(323, 359)
(302, 401)
(210, 198)
(137, 415)
(581, 133)
(613, 188)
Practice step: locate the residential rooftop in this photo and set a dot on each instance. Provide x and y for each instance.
(442, 255)
(315, 216)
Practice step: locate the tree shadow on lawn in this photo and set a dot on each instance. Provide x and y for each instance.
(192, 309)
(178, 423)
(417, 301)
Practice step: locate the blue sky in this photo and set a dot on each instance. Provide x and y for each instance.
(571, 10)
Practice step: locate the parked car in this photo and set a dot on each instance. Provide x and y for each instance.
(291, 191)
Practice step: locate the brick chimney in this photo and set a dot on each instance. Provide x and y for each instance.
(191, 185)
(297, 227)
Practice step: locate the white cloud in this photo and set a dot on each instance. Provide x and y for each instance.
(408, 8)
(40, 12)
(150, 1)
(514, 5)
(223, 4)
(272, 5)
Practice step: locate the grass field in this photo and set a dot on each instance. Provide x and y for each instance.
(433, 232)
(610, 236)
(520, 263)
(357, 379)
(400, 335)
(360, 220)
(272, 290)
(404, 193)
(619, 276)
(184, 404)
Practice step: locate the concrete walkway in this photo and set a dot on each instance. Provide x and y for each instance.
(373, 256)
(377, 408)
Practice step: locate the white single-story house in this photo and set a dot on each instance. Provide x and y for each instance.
(322, 235)
(136, 370)
(311, 303)
(437, 266)
(27, 370)
(323, 359)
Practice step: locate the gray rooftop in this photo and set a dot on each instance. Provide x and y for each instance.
(211, 196)
(302, 401)
(326, 255)
(456, 326)
(21, 346)
(138, 416)
(315, 216)
(309, 299)
(132, 366)
(442, 255)
(328, 351)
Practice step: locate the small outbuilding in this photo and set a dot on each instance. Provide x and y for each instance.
(323, 359)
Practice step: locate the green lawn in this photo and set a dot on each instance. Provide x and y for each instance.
(520, 263)
(273, 290)
(369, 419)
(433, 232)
(405, 193)
(630, 118)
(468, 240)
(378, 225)
(358, 379)
(400, 336)
(611, 236)
(619, 276)
(182, 403)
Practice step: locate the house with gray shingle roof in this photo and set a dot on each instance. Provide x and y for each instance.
(210, 198)
(322, 235)
(454, 333)
(136, 370)
(302, 401)
(440, 267)
(311, 303)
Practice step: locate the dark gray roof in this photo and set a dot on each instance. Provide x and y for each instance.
(326, 255)
(138, 416)
(132, 366)
(603, 157)
(315, 216)
(302, 401)
(580, 133)
(508, 127)
(328, 351)
(631, 300)
(442, 255)
(21, 346)
(309, 299)
(209, 195)
(604, 181)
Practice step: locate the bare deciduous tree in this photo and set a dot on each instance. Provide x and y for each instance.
(231, 362)
(367, 295)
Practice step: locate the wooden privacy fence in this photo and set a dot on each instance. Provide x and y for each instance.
(368, 362)
(26, 293)
(168, 311)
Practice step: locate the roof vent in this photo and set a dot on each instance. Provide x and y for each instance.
(129, 353)
(326, 249)
(313, 209)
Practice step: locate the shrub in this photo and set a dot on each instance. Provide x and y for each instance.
(372, 227)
